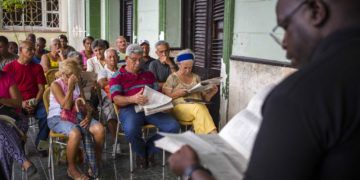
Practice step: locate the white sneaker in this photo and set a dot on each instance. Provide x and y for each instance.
(118, 148)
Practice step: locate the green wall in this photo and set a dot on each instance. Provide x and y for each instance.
(253, 22)
(92, 12)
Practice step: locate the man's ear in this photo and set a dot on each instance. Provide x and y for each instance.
(319, 12)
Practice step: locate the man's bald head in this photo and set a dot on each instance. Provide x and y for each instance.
(307, 22)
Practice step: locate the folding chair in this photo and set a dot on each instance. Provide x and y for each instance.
(118, 133)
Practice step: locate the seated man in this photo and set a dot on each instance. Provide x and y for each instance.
(147, 59)
(39, 50)
(126, 87)
(163, 67)
(31, 80)
(111, 59)
(5, 56)
(52, 59)
(121, 44)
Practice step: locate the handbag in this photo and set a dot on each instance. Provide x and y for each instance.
(9, 111)
(69, 115)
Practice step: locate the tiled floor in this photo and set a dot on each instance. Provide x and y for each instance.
(112, 168)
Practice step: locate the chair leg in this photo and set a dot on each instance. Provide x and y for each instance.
(163, 158)
(131, 159)
(51, 160)
(116, 140)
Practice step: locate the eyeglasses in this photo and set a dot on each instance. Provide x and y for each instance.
(278, 32)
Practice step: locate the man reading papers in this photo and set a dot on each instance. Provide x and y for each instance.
(126, 88)
(226, 154)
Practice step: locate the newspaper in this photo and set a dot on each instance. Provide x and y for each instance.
(205, 85)
(227, 153)
(158, 102)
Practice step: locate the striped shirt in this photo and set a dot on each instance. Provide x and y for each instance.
(127, 84)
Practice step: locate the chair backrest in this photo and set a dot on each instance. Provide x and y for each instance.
(46, 98)
(50, 75)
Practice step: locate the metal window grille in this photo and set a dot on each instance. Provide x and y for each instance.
(38, 14)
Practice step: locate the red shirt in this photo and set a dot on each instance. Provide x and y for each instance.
(6, 81)
(27, 77)
(127, 84)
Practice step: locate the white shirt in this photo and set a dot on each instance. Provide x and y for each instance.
(105, 73)
(94, 65)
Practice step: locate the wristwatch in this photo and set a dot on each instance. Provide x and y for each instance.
(191, 169)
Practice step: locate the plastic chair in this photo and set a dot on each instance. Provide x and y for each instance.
(50, 75)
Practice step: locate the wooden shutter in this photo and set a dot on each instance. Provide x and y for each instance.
(218, 31)
(127, 19)
(199, 32)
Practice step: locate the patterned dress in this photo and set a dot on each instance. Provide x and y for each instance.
(11, 146)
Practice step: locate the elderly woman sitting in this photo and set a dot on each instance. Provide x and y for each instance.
(177, 84)
(64, 91)
(11, 147)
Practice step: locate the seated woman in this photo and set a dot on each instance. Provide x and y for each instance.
(51, 60)
(11, 146)
(63, 93)
(177, 84)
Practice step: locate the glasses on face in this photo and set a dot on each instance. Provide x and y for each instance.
(278, 31)
(135, 60)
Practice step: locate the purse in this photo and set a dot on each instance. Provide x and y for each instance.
(69, 115)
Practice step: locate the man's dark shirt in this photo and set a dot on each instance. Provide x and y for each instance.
(311, 125)
(145, 64)
(160, 70)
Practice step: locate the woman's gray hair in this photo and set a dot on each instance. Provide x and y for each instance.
(134, 49)
(185, 51)
(54, 39)
(107, 51)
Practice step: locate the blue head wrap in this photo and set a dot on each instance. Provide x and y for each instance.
(185, 57)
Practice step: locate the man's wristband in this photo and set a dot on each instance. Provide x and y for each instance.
(191, 169)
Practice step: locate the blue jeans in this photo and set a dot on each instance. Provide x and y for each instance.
(41, 115)
(132, 123)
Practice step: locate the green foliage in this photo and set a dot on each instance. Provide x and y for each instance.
(13, 5)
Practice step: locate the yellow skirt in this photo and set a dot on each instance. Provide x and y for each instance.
(198, 114)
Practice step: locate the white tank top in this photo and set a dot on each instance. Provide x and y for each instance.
(54, 107)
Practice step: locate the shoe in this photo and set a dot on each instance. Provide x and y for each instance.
(30, 171)
(151, 160)
(141, 162)
(81, 177)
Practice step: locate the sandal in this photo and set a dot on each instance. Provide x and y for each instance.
(81, 177)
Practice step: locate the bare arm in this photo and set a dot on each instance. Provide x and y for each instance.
(138, 98)
(45, 63)
(15, 100)
(40, 93)
(174, 94)
(65, 100)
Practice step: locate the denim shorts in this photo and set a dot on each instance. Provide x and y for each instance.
(64, 127)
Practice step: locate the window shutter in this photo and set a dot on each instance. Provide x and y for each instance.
(217, 37)
(199, 32)
(127, 20)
